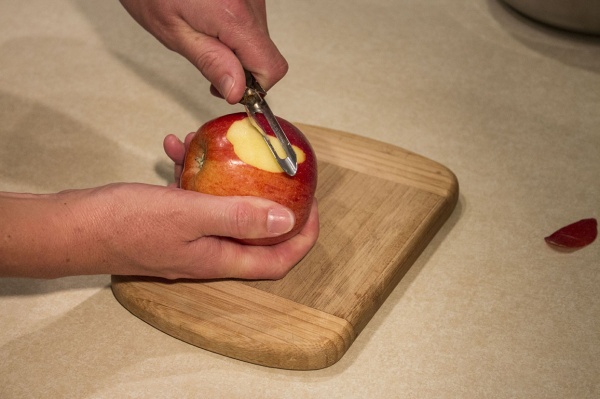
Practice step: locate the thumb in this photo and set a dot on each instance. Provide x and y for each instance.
(216, 62)
(243, 217)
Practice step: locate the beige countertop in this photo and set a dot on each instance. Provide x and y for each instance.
(488, 310)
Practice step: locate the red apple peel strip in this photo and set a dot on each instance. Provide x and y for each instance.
(575, 235)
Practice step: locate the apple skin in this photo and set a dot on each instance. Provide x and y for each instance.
(212, 167)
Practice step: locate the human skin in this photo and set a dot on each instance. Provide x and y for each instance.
(142, 229)
(220, 38)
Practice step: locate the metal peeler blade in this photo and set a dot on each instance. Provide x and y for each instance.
(254, 103)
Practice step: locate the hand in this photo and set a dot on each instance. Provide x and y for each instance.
(176, 150)
(174, 233)
(142, 229)
(219, 37)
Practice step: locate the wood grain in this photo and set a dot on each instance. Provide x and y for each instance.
(379, 207)
(237, 321)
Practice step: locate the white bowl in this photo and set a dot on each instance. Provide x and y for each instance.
(575, 15)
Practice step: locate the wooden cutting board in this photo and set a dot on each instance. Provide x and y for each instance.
(379, 206)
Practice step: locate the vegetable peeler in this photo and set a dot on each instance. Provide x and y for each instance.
(254, 102)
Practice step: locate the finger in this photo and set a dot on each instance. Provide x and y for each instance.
(242, 217)
(264, 61)
(250, 41)
(265, 78)
(259, 55)
(188, 139)
(216, 61)
(229, 259)
(276, 264)
(174, 148)
(214, 91)
(239, 38)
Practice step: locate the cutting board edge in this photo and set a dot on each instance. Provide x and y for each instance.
(379, 161)
(389, 283)
(329, 337)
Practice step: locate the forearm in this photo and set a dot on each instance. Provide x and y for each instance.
(141, 229)
(47, 236)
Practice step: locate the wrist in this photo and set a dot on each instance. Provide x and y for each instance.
(47, 235)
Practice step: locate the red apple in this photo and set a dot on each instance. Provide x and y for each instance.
(228, 156)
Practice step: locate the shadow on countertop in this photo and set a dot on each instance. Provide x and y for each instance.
(30, 286)
(94, 347)
(60, 144)
(570, 48)
(143, 54)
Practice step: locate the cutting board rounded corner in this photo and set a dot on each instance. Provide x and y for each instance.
(303, 339)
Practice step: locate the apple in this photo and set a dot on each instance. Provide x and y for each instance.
(229, 157)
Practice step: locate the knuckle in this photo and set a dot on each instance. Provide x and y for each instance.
(278, 68)
(281, 68)
(207, 60)
(279, 272)
(267, 266)
(275, 267)
(242, 218)
(236, 12)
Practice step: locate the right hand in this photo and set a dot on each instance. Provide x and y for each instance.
(219, 37)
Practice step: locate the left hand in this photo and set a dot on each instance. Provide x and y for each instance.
(175, 150)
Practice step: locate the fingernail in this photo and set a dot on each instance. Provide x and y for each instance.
(225, 85)
(279, 221)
